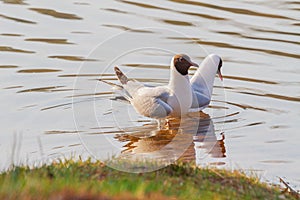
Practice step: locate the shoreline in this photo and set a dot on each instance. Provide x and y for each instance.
(79, 179)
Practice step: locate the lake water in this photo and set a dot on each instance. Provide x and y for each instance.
(53, 53)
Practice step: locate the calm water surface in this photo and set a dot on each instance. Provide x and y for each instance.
(52, 54)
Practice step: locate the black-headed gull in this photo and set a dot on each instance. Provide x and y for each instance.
(174, 99)
(203, 80)
(180, 95)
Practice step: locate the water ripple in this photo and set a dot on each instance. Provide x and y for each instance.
(229, 9)
(45, 89)
(151, 66)
(50, 41)
(56, 14)
(276, 32)
(258, 38)
(20, 2)
(17, 19)
(60, 132)
(177, 22)
(114, 10)
(73, 58)
(125, 28)
(56, 106)
(38, 70)
(143, 5)
(8, 66)
(231, 46)
(11, 49)
(250, 80)
(11, 34)
(85, 75)
(202, 15)
(274, 96)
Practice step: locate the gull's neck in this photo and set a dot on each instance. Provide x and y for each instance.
(180, 88)
(206, 73)
(178, 81)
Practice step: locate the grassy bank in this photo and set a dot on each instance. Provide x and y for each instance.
(90, 180)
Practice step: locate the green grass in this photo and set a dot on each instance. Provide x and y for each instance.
(93, 180)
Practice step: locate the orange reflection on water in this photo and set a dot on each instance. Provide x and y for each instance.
(182, 138)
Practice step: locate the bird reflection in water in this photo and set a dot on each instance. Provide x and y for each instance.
(190, 139)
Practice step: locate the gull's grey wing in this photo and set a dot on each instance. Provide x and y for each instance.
(200, 100)
(160, 109)
(148, 101)
(152, 102)
(128, 87)
(200, 90)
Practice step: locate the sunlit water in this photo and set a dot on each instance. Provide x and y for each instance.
(53, 53)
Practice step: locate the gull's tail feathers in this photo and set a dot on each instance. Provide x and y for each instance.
(130, 87)
(114, 86)
(124, 93)
(118, 89)
(121, 76)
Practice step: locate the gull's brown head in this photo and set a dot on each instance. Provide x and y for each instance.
(182, 63)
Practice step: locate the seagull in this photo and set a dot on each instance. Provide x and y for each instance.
(172, 100)
(203, 79)
(180, 96)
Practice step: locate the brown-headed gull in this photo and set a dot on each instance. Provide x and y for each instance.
(174, 99)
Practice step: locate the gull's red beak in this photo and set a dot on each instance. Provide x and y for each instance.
(193, 64)
(220, 75)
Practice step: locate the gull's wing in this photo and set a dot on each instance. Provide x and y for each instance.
(148, 101)
(200, 100)
(129, 87)
(159, 109)
(152, 102)
(203, 80)
(200, 92)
